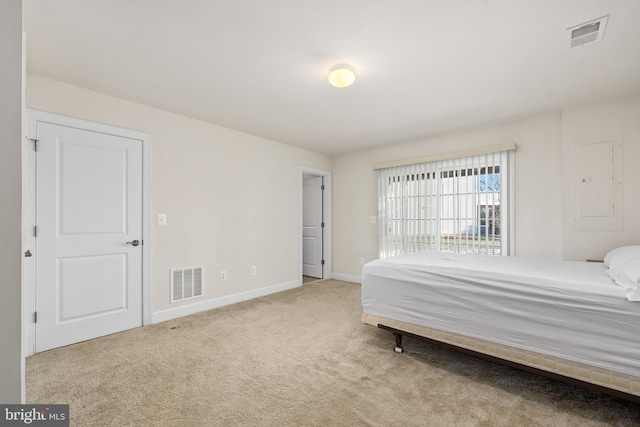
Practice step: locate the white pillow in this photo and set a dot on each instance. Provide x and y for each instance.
(619, 256)
(627, 274)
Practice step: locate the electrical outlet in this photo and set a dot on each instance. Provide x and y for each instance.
(254, 270)
(162, 219)
(223, 275)
(361, 261)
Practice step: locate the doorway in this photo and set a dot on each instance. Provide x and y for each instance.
(86, 201)
(312, 227)
(315, 225)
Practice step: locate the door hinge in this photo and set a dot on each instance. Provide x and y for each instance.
(322, 262)
(35, 143)
(35, 317)
(322, 187)
(322, 224)
(35, 231)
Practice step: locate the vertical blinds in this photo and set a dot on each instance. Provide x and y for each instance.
(456, 204)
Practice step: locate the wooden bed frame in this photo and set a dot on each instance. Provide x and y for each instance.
(610, 382)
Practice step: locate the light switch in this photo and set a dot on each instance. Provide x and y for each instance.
(162, 219)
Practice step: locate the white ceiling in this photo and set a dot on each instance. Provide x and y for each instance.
(260, 66)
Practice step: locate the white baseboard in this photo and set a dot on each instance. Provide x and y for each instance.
(347, 278)
(185, 310)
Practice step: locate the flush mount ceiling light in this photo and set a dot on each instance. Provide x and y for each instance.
(342, 75)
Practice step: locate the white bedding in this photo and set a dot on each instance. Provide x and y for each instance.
(571, 310)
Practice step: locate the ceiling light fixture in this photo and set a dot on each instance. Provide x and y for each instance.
(342, 75)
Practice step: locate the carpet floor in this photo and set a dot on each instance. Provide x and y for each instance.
(298, 358)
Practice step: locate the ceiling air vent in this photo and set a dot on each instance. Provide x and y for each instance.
(589, 32)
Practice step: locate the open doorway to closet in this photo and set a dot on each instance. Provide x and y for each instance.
(315, 225)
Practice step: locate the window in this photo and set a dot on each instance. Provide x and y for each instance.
(458, 204)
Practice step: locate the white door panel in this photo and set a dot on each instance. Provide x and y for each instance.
(88, 206)
(92, 178)
(312, 227)
(83, 293)
(310, 254)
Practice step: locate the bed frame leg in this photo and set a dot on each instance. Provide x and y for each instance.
(398, 348)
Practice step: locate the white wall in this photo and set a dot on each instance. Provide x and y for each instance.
(614, 118)
(11, 363)
(538, 217)
(543, 183)
(231, 198)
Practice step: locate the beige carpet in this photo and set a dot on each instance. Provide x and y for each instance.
(298, 358)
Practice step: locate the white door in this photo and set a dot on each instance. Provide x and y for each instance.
(88, 235)
(312, 227)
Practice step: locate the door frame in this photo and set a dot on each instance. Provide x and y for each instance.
(32, 118)
(327, 271)
(311, 193)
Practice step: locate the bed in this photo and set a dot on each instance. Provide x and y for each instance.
(573, 321)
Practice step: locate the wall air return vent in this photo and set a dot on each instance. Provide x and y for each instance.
(186, 284)
(589, 32)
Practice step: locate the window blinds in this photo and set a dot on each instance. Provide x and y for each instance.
(457, 204)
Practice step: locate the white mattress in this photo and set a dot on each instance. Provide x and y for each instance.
(570, 310)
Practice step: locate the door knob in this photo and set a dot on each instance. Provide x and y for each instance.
(134, 243)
